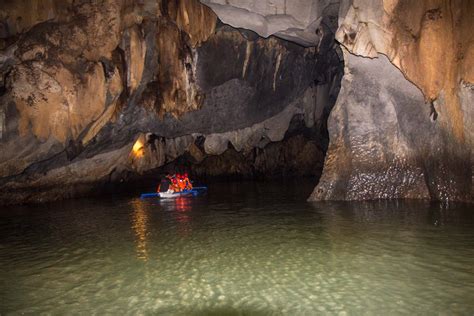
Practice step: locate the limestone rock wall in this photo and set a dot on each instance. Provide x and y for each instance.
(68, 69)
(406, 132)
(430, 41)
(303, 22)
(296, 155)
(95, 93)
(19, 16)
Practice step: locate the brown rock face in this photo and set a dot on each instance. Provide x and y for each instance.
(185, 24)
(53, 103)
(64, 78)
(430, 41)
(17, 16)
(97, 93)
(68, 69)
(376, 151)
(434, 48)
(193, 18)
(176, 77)
(59, 85)
(134, 47)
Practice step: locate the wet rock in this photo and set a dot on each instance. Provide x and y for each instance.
(384, 143)
(78, 178)
(427, 143)
(176, 147)
(194, 19)
(196, 153)
(53, 103)
(260, 134)
(176, 77)
(246, 86)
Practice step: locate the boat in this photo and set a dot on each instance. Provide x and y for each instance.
(165, 195)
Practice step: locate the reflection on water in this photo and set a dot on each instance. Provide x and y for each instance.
(139, 226)
(178, 207)
(183, 206)
(246, 248)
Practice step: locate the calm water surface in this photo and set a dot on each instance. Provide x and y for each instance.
(245, 248)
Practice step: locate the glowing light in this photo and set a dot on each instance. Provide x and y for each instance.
(138, 148)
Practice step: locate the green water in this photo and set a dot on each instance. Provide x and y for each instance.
(244, 249)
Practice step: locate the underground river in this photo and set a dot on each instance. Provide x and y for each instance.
(244, 248)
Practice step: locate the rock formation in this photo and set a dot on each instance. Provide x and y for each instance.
(384, 144)
(393, 134)
(156, 82)
(303, 22)
(93, 94)
(406, 132)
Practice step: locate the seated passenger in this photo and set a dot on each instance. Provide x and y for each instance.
(187, 183)
(181, 182)
(174, 184)
(165, 184)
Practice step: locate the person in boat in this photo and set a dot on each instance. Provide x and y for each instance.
(165, 183)
(184, 182)
(181, 182)
(175, 187)
(175, 183)
(187, 183)
(168, 184)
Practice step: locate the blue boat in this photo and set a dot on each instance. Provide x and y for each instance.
(165, 195)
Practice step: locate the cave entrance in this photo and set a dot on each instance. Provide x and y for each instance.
(254, 125)
(263, 116)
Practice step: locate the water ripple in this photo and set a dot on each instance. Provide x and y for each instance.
(209, 256)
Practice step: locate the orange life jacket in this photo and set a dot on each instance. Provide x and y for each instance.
(175, 185)
(181, 184)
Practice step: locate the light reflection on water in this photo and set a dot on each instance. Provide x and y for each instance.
(139, 225)
(179, 208)
(243, 249)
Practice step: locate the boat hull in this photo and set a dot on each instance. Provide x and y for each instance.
(164, 195)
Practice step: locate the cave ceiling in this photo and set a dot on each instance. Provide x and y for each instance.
(304, 22)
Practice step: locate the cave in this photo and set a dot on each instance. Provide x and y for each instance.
(232, 91)
(175, 88)
(329, 116)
